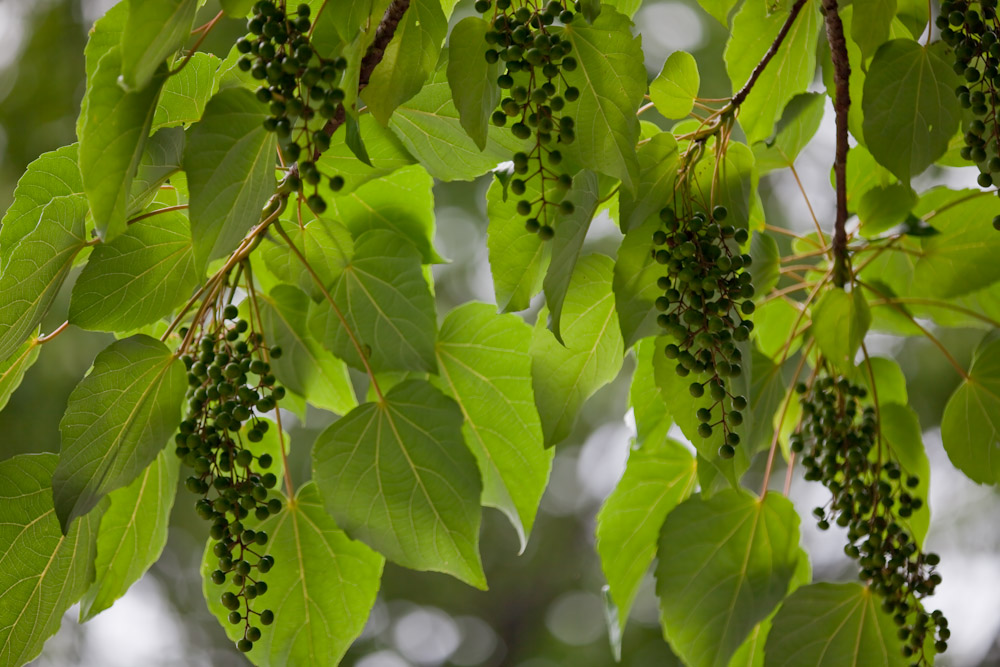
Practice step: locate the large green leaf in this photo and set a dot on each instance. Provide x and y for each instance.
(430, 129)
(485, 366)
(471, 79)
(612, 80)
(675, 88)
(161, 159)
(659, 475)
(327, 246)
(388, 306)
(42, 571)
(113, 135)
(133, 533)
(36, 268)
(910, 109)
(970, 426)
(884, 207)
(635, 283)
(724, 565)
(833, 625)
(321, 590)
(566, 375)
(518, 258)
(789, 72)
(385, 152)
(153, 32)
(51, 175)
(839, 324)
(657, 173)
(402, 202)
(229, 162)
(104, 35)
(186, 93)
(799, 123)
(117, 419)
(13, 369)
(304, 366)
(397, 475)
(408, 60)
(138, 278)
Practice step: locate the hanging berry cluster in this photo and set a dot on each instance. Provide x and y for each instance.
(705, 288)
(301, 88)
(230, 385)
(536, 91)
(869, 498)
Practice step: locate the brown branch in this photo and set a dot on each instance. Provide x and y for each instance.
(841, 105)
(741, 95)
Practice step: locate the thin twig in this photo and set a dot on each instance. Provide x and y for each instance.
(47, 337)
(158, 211)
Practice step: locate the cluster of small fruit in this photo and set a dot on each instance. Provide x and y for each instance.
(536, 92)
(872, 497)
(230, 385)
(301, 88)
(705, 289)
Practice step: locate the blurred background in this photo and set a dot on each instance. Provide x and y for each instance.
(544, 606)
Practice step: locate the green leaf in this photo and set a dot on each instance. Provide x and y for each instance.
(186, 93)
(138, 278)
(568, 242)
(42, 572)
(839, 324)
(350, 17)
(566, 375)
(635, 283)
(724, 565)
(652, 418)
(901, 431)
(36, 268)
(355, 141)
(659, 475)
(735, 182)
(719, 9)
(799, 123)
(767, 389)
(51, 175)
(518, 258)
(970, 425)
(327, 246)
(657, 173)
(161, 159)
(790, 71)
(471, 78)
(304, 366)
(113, 135)
(105, 35)
(833, 625)
(612, 80)
(133, 533)
(402, 202)
(12, 370)
(387, 304)
(676, 86)
(766, 262)
(408, 60)
(882, 208)
(385, 152)
(117, 419)
(229, 162)
(485, 366)
(397, 475)
(321, 590)
(909, 105)
(237, 8)
(153, 32)
(870, 27)
(863, 174)
(774, 322)
(889, 380)
(430, 129)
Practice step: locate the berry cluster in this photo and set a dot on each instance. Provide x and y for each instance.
(705, 288)
(301, 88)
(535, 58)
(230, 384)
(869, 498)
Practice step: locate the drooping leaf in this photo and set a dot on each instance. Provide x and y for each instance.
(117, 420)
(657, 173)
(724, 565)
(304, 366)
(518, 258)
(566, 375)
(229, 162)
(42, 571)
(153, 32)
(652, 418)
(397, 475)
(387, 304)
(104, 35)
(36, 268)
(161, 159)
(659, 476)
(910, 109)
(138, 278)
(321, 589)
(839, 324)
(132, 533)
(635, 286)
(471, 78)
(833, 625)
(789, 72)
(485, 366)
(676, 86)
(799, 123)
(970, 426)
(185, 94)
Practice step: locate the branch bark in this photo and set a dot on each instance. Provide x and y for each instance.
(742, 93)
(841, 105)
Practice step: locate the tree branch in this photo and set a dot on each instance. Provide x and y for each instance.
(841, 105)
(741, 95)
